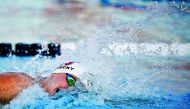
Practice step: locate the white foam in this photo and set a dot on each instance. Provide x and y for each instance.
(151, 49)
(68, 45)
(148, 49)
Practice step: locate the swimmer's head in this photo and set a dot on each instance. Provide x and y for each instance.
(58, 81)
(63, 77)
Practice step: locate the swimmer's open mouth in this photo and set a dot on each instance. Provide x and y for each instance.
(57, 90)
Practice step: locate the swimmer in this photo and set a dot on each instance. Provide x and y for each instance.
(13, 83)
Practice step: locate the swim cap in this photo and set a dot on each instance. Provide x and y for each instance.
(73, 68)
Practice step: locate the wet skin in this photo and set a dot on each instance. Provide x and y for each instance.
(11, 84)
(54, 83)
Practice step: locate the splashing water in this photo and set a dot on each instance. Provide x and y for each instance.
(116, 81)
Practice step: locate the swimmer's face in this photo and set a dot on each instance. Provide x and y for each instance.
(56, 82)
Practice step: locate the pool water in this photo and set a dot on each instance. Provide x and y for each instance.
(127, 84)
(118, 81)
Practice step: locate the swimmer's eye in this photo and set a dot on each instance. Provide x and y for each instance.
(70, 80)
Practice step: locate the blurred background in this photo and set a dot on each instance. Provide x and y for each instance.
(72, 20)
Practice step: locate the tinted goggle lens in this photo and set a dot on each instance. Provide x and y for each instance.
(70, 80)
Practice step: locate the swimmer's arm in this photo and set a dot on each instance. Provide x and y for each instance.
(13, 83)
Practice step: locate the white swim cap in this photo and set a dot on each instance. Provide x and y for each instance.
(73, 68)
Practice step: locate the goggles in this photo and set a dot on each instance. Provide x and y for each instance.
(70, 79)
